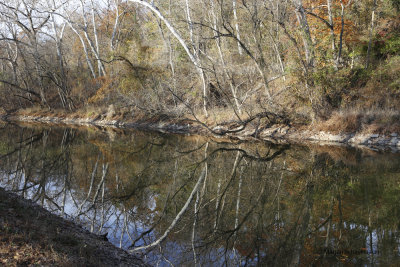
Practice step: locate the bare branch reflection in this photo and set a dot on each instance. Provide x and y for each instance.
(188, 200)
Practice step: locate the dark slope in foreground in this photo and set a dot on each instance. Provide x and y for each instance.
(31, 235)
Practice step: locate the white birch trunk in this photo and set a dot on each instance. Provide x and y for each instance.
(237, 27)
(195, 54)
(62, 92)
(116, 22)
(217, 41)
(90, 42)
(330, 17)
(89, 62)
(96, 39)
(306, 35)
(371, 33)
(192, 57)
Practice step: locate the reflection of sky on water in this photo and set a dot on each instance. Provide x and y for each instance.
(54, 189)
(174, 253)
(263, 234)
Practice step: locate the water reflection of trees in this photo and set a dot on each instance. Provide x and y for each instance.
(190, 200)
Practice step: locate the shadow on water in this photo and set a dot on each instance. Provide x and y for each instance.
(182, 200)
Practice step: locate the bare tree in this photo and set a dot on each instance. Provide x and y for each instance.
(371, 33)
(31, 22)
(195, 60)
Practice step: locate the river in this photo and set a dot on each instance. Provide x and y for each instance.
(190, 200)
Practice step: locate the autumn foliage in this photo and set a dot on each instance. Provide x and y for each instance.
(305, 58)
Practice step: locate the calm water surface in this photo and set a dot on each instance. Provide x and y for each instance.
(179, 200)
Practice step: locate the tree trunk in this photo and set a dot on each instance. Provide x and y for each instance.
(89, 62)
(63, 89)
(100, 65)
(96, 39)
(306, 35)
(218, 43)
(339, 57)
(237, 26)
(333, 38)
(371, 33)
(115, 27)
(192, 57)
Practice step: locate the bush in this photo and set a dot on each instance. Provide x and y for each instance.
(392, 45)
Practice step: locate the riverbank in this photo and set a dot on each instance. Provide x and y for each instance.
(32, 236)
(338, 133)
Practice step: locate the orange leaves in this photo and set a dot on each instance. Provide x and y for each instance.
(323, 19)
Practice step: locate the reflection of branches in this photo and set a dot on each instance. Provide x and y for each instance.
(165, 258)
(148, 231)
(102, 181)
(193, 150)
(232, 176)
(245, 217)
(178, 216)
(91, 185)
(125, 225)
(265, 158)
(238, 203)
(196, 206)
(32, 139)
(302, 228)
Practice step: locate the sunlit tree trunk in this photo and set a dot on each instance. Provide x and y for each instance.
(63, 87)
(218, 42)
(306, 34)
(192, 57)
(102, 71)
(371, 34)
(332, 29)
(32, 32)
(113, 40)
(96, 39)
(196, 55)
(343, 6)
(89, 62)
(237, 26)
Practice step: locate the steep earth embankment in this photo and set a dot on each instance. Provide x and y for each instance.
(32, 236)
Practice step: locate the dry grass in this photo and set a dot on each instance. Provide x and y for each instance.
(90, 111)
(364, 121)
(341, 122)
(31, 111)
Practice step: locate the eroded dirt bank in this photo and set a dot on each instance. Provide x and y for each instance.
(31, 236)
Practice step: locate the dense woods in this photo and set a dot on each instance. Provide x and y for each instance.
(223, 60)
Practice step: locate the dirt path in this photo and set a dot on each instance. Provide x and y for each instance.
(31, 235)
